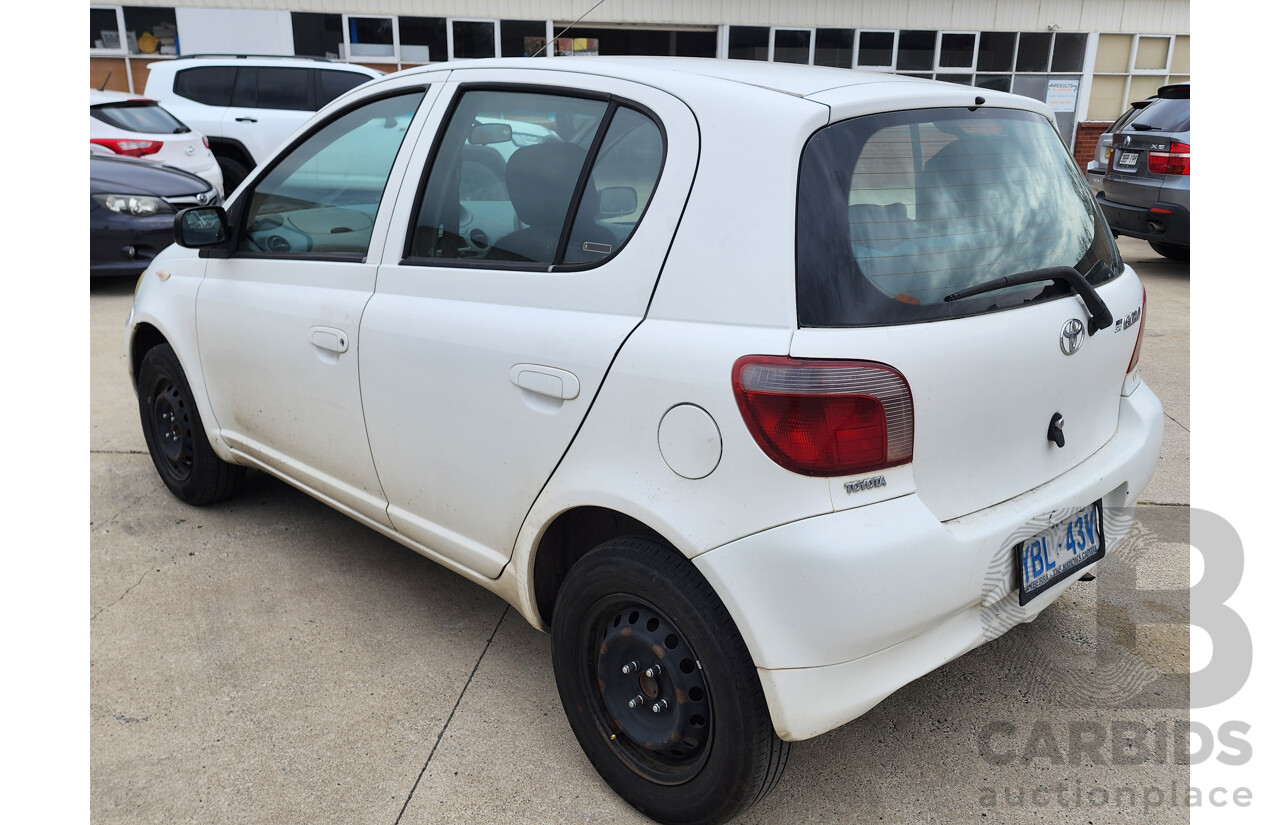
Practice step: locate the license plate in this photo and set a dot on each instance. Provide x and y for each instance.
(1059, 551)
(1128, 159)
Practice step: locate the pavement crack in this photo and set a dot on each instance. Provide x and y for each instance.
(1176, 421)
(94, 526)
(440, 735)
(122, 595)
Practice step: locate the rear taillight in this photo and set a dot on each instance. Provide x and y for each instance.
(205, 138)
(1142, 327)
(132, 148)
(1176, 161)
(826, 418)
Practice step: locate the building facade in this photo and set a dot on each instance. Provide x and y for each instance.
(1086, 58)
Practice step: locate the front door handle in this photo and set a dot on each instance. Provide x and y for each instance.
(328, 338)
(548, 381)
(246, 120)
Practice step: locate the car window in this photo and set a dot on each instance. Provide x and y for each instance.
(273, 87)
(210, 85)
(1164, 115)
(139, 116)
(621, 182)
(333, 84)
(897, 211)
(323, 196)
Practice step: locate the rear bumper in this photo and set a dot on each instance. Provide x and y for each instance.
(841, 610)
(1160, 222)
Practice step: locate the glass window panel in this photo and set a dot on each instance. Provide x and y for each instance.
(875, 48)
(695, 44)
(1068, 52)
(322, 198)
(619, 189)
(1153, 53)
(523, 38)
(104, 32)
(1181, 55)
(316, 35)
(370, 37)
(1033, 51)
(1036, 86)
(834, 47)
(335, 83)
(994, 82)
(962, 79)
(423, 39)
(957, 51)
(915, 50)
(995, 51)
(1113, 53)
(472, 38)
(273, 87)
(501, 184)
(748, 42)
(151, 30)
(790, 46)
(210, 85)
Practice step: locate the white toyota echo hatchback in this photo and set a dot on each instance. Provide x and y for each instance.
(766, 389)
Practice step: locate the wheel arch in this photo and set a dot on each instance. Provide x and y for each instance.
(231, 148)
(571, 535)
(145, 337)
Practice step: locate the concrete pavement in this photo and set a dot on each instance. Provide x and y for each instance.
(267, 660)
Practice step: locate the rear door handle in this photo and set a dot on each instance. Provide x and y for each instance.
(246, 120)
(548, 381)
(329, 338)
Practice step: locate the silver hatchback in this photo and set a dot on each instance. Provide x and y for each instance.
(1146, 192)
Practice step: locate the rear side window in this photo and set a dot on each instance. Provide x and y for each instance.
(897, 211)
(1163, 115)
(334, 84)
(210, 85)
(273, 87)
(138, 116)
(536, 180)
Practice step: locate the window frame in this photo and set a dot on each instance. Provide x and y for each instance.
(972, 68)
(613, 102)
(394, 57)
(123, 49)
(812, 31)
(892, 66)
(497, 35)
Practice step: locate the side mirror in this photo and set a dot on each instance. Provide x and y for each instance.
(483, 134)
(200, 226)
(617, 200)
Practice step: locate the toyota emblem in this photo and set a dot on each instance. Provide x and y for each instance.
(1072, 336)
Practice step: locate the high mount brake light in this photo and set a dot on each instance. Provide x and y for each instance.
(826, 418)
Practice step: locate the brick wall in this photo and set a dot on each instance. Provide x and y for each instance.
(1087, 135)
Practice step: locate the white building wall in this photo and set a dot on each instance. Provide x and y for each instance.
(1147, 16)
(204, 30)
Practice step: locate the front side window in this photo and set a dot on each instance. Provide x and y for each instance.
(322, 198)
(513, 180)
(898, 211)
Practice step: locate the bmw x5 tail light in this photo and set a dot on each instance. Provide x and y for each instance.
(826, 418)
(1176, 161)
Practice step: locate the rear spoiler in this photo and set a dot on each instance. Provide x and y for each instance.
(1177, 91)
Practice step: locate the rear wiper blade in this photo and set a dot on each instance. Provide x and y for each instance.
(1099, 315)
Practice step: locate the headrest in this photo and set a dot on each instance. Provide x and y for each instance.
(540, 181)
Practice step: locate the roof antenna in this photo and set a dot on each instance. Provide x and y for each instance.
(105, 81)
(566, 28)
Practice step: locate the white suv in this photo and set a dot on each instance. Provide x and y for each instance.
(247, 105)
(766, 389)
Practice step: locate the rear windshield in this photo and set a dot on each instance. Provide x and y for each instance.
(897, 211)
(1163, 115)
(139, 116)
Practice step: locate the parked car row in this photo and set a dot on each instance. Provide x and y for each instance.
(757, 449)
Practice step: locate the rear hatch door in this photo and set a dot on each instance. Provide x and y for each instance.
(899, 211)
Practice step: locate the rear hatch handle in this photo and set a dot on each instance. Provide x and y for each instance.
(1099, 315)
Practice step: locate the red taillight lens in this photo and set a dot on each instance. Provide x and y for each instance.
(132, 148)
(826, 418)
(1176, 161)
(1142, 328)
(205, 138)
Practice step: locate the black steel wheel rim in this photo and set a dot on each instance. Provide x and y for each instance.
(171, 430)
(650, 693)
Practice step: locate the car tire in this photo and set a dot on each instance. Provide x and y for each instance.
(1171, 251)
(175, 435)
(233, 172)
(711, 751)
